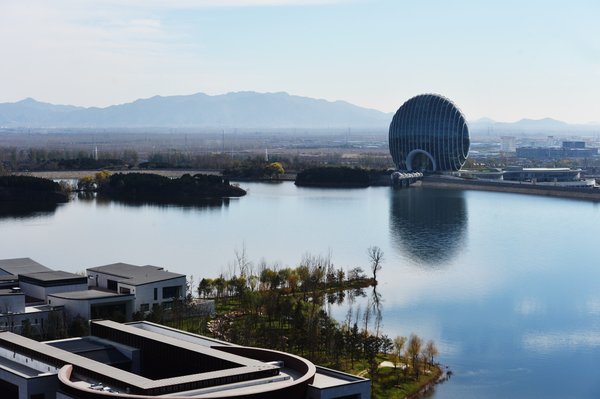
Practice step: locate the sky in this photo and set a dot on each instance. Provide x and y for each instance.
(505, 60)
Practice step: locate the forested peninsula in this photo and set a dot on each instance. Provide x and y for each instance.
(148, 187)
(26, 194)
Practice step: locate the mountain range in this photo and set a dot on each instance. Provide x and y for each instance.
(233, 110)
(245, 110)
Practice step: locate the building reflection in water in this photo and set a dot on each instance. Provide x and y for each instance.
(429, 225)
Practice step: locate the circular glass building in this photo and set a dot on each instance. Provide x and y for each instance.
(429, 133)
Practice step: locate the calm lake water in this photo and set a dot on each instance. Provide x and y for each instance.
(507, 285)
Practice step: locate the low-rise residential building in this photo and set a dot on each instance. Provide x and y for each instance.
(94, 304)
(39, 285)
(111, 291)
(150, 285)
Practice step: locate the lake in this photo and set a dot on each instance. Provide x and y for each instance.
(507, 285)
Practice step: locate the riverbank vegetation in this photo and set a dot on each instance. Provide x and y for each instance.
(254, 169)
(290, 309)
(158, 155)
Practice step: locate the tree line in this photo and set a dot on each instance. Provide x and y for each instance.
(150, 187)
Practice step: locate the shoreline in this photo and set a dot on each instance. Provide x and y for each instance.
(516, 188)
(429, 182)
(442, 375)
(77, 174)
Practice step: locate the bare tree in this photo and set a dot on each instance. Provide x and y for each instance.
(376, 257)
(241, 261)
(399, 342)
(414, 350)
(430, 351)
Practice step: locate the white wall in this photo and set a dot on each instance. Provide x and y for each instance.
(83, 307)
(39, 292)
(145, 293)
(47, 384)
(14, 303)
(72, 307)
(96, 279)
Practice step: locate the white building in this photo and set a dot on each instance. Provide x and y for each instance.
(41, 284)
(148, 284)
(94, 304)
(24, 289)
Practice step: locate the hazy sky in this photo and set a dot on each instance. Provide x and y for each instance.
(502, 59)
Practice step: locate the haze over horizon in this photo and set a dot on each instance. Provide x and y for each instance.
(481, 120)
(505, 61)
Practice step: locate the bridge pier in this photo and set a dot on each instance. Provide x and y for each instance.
(405, 179)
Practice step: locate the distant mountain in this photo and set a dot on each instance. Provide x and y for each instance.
(233, 110)
(545, 126)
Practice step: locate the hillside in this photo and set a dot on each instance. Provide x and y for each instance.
(232, 110)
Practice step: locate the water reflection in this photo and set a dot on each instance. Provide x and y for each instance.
(203, 203)
(430, 226)
(17, 210)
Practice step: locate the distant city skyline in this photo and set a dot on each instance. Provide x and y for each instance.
(503, 60)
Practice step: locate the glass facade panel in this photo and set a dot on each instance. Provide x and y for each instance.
(429, 125)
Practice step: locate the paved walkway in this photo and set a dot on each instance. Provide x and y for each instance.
(387, 363)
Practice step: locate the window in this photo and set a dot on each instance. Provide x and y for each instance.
(124, 290)
(155, 294)
(171, 292)
(145, 307)
(111, 285)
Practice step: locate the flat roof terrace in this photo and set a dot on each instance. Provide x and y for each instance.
(237, 368)
(18, 266)
(52, 278)
(136, 275)
(89, 295)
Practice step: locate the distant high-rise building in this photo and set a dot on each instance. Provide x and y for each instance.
(508, 144)
(429, 133)
(569, 149)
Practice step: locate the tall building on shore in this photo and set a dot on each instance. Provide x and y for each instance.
(429, 133)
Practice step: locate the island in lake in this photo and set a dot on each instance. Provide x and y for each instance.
(22, 195)
(149, 187)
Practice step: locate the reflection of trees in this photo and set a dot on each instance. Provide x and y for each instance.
(204, 203)
(428, 225)
(26, 210)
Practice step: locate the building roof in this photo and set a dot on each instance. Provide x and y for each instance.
(10, 291)
(190, 346)
(136, 275)
(59, 357)
(18, 266)
(327, 378)
(53, 279)
(16, 367)
(92, 349)
(53, 275)
(88, 294)
(99, 360)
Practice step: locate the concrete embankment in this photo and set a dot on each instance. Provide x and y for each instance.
(519, 188)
